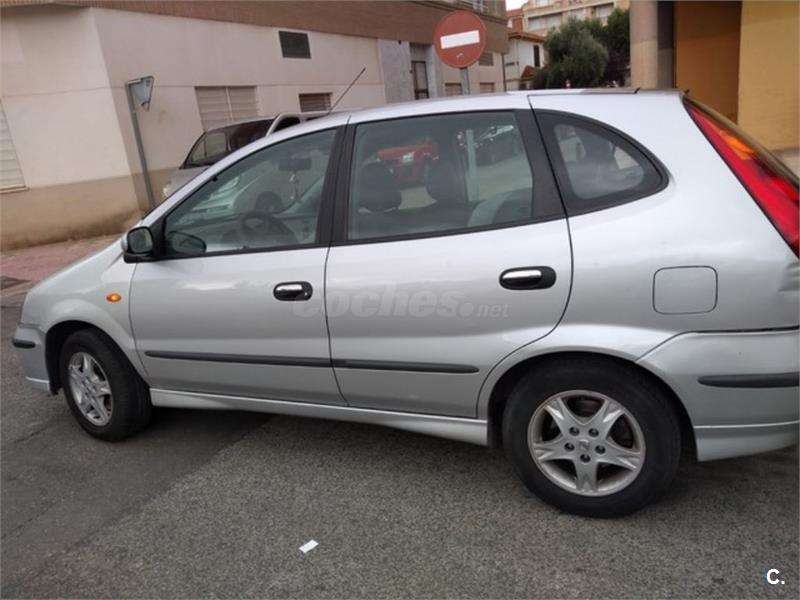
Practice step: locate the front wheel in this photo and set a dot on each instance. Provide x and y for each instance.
(103, 391)
(591, 437)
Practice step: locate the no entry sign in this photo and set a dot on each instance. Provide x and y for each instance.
(460, 39)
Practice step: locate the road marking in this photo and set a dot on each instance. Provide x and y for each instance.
(461, 39)
(308, 546)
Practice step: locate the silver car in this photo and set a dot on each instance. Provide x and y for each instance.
(616, 287)
(215, 144)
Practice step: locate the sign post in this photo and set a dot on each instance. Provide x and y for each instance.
(460, 39)
(139, 91)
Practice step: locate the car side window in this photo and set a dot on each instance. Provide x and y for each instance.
(213, 145)
(268, 199)
(595, 166)
(439, 173)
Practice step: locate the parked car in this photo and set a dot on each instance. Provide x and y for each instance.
(215, 144)
(617, 289)
(496, 144)
(410, 163)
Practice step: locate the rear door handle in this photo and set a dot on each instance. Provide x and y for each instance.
(293, 291)
(528, 278)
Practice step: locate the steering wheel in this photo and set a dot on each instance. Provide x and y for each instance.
(259, 228)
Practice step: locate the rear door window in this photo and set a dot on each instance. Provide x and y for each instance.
(597, 167)
(432, 174)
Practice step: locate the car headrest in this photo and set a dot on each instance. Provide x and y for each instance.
(376, 188)
(268, 202)
(444, 184)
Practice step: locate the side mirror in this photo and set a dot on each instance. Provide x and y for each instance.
(138, 243)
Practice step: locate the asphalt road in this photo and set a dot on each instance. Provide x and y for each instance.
(217, 504)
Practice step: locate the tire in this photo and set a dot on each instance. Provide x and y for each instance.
(640, 452)
(126, 409)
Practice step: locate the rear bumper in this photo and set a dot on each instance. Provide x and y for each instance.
(28, 342)
(740, 389)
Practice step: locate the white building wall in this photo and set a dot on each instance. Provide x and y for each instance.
(56, 97)
(184, 53)
(477, 74)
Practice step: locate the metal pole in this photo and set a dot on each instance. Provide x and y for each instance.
(472, 181)
(464, 81)
(137, 134)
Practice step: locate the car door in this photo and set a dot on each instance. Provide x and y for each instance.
(433, 280)
(234, 305)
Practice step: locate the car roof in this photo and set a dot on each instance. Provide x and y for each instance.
(262, 118)
(499, 101)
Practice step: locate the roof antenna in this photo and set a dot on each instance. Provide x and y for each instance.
(352, 83)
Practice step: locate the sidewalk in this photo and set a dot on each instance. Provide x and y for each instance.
(22, 269)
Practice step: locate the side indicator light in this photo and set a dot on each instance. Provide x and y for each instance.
(113, 297)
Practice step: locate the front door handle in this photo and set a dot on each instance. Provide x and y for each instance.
(293, 291)
(528, 278)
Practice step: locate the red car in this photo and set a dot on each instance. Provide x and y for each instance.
(409, 163)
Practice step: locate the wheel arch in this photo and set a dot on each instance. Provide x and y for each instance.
(57, 335)
(505, 384)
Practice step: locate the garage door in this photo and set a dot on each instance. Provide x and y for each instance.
(10, 173)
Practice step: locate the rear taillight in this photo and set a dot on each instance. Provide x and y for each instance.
(771, 184)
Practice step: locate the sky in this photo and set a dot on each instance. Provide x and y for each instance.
(512, 4)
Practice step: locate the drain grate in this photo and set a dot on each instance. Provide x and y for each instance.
(7, 282)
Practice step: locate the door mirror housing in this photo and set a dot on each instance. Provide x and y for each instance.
(138, 244)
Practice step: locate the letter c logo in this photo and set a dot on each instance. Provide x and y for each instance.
(773, 580)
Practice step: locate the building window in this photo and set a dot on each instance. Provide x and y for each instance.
(419, 71)
(452, 89)
(10, 172)
(294, 45)
(537, 56)
(486, 59)
(224, 105)
(601, 12)
(314, 102)
(537, 23)
(539, 3)
(487, 88)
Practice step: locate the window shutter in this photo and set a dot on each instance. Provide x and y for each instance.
(10, 172)
(223, 105)
(486, 59)
(243, 102)
(313, 102)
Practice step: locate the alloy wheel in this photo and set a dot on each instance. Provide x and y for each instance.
(586, 443)
(90, 388)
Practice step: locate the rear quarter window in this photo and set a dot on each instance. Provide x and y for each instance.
(595, 165)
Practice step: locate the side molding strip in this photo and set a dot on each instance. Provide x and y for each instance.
(22, 344)
(291, 361)
(388, 365)
(768, 380)
(244, 359)
(473, 431)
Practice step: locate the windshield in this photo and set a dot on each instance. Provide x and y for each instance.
(216, 144)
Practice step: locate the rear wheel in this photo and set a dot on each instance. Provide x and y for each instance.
(103, 391)
(591, 437)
